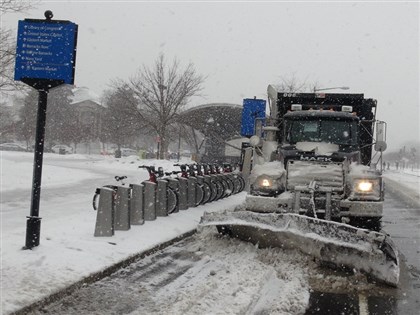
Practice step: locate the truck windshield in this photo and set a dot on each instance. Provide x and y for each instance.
(331, 131)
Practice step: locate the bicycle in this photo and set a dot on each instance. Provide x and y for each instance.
(113, 187)
(195, 171)
(226, 182)
(172, 198)
(238, 180)
(217, 186)
(200, 191)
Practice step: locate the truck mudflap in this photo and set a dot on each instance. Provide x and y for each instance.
(339, 244)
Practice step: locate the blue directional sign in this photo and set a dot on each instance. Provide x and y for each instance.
(253, 109)
(46, 50)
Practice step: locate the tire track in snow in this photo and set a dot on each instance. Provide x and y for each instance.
(204, 274)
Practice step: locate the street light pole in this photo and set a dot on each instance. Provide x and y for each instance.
(331, 88)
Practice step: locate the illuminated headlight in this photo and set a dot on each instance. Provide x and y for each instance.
(364, 186)
(366, 189)
(265, 185)
(266, 182)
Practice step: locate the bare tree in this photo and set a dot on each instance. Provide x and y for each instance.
(7, 124)
(291, 84)
(7, 61)
(7, 6)
(161, 92)
(8, 45)
(119, 125)
(27, 118)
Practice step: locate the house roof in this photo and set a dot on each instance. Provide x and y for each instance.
(81, 94)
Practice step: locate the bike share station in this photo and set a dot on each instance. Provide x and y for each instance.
(45, 59)
(121, 206)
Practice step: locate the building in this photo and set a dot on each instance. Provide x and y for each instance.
(90, 109)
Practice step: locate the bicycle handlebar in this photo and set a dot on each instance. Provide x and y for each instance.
(148, 168)
(118, 178)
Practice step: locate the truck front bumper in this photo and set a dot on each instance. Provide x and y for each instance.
(280, 203)
(283, 203)
(361, 208)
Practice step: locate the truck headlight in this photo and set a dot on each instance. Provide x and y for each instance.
(366, 189)
(364, 186)
(265, 185)
(265, 182)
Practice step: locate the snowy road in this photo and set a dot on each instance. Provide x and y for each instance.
(204, 274)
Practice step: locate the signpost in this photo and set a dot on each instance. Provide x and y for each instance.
(45, 58)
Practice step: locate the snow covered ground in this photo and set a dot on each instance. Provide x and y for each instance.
(405, 183)
(68, 251)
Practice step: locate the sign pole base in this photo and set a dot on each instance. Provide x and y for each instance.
(33, 230)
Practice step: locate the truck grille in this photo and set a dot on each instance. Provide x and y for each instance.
(301, 173)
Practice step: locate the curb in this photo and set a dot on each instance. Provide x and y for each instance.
(94, 277)
(409, 196)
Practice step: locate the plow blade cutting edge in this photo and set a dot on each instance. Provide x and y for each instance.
(331, 242)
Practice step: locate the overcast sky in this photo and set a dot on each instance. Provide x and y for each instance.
(243, 46)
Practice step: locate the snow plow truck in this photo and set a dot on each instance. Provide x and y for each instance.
(313, 185)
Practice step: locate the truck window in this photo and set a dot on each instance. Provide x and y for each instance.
(330, 131)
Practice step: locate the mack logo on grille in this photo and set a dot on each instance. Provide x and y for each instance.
(315, 158)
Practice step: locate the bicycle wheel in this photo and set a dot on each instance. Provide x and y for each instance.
(199, 194)
(95, 198)
(242, 181)
(239, 183)
(213, 188)
(220, 189)
(172, 200)
(230, 188)
(207, 193)
(226, 187)
(236, 184)
(95, 201)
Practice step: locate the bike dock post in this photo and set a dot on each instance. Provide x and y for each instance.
(136, 205)
(183, 193)
(246, 168)
(174, 184)
(105, 213)
(192, 182)
(161, 199)
(149, 201)
(122, 213)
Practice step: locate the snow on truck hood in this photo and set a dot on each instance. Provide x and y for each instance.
(322, 148)
(274, 169)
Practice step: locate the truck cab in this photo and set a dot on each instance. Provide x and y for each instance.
(317, 156)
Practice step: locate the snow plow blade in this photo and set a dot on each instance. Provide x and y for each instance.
(330, 242)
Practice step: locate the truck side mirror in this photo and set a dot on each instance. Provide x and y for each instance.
(380, 141)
